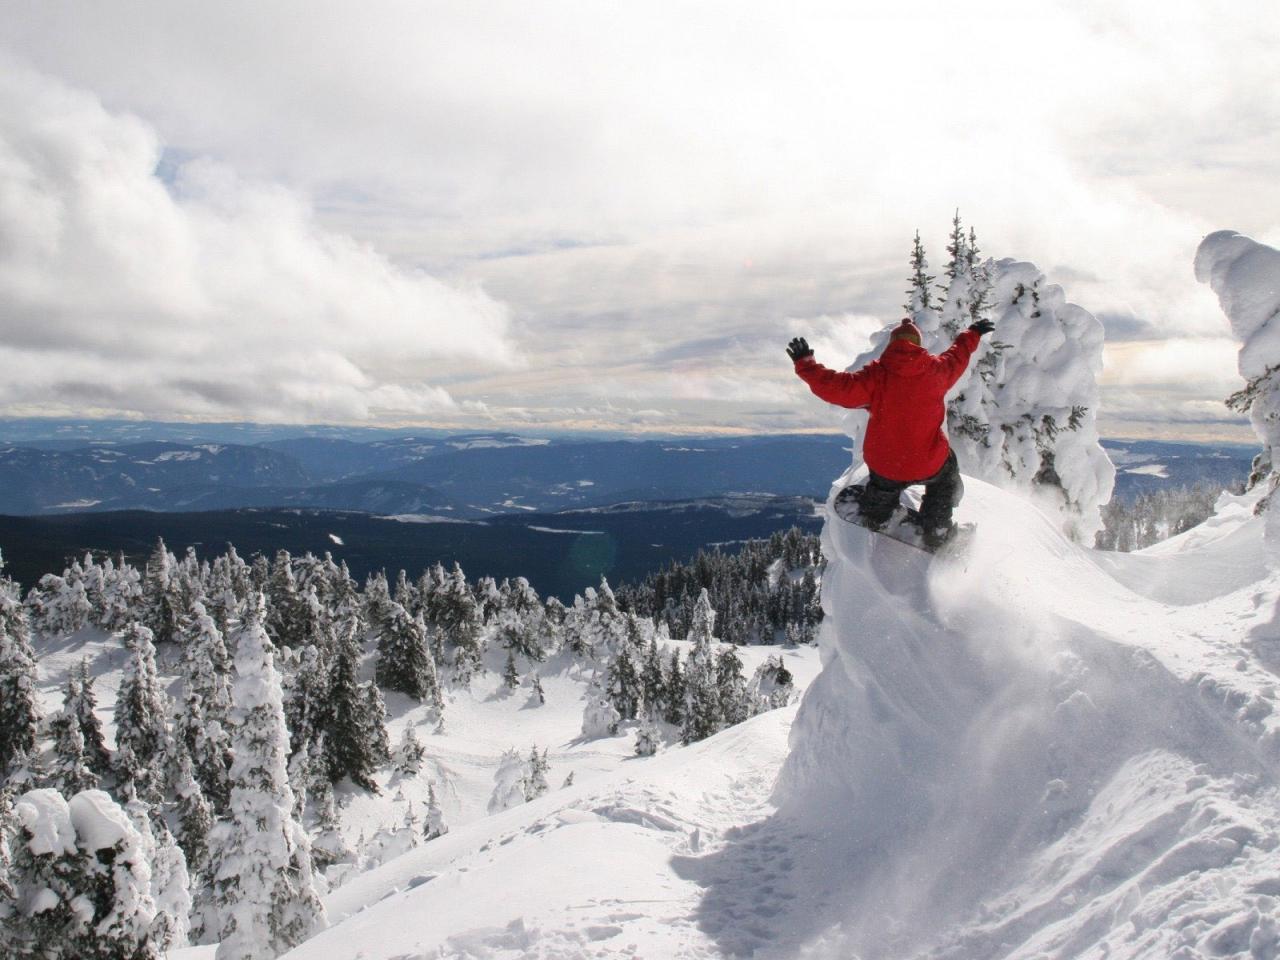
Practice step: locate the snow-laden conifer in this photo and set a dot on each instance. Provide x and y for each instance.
(600, 718)
(19, 708)
(265, 896)
(703, 715)
(161, 595)
(404, 658)
(508, 783)
(81, 700)
(140, 713)
(647, 738)
(409, 754)
(1243, 272)
(435, 825)
(82, 880)
(347, 747)
(70, 771)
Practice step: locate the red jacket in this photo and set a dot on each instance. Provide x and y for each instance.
(904, 391)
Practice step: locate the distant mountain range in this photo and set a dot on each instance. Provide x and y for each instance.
(559, 510)
(464, 476)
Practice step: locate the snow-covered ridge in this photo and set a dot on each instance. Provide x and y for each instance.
(1035, 750)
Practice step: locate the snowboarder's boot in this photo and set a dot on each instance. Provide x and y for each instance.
(935, 536)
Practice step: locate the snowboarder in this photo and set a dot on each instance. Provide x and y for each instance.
(904, 443)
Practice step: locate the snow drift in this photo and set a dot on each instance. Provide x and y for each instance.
(1245, 275)
(1036, 750)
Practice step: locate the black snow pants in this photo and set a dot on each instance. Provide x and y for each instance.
(942, 492)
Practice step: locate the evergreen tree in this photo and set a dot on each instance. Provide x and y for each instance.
(435, 826)
(375, 725)
(508, 783)
(702, 714)
(409, 754)
(647, 738)
(510, 676)
(673, 709)
(624, 686)
(732, 687)
(81, 879)
(140, 713)
(70, 772)
(171, 890)
(461, 623)
(262, 881)
(651, 682)
(404, 660)
(330, 846)
(81, 700)
(195, 820)
(161, 595)
(535, 778)
(920, 293)
(347, 749)
(19, 710)
(307, 699)
(285, 615)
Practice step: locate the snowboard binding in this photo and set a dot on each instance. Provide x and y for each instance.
(905, 524)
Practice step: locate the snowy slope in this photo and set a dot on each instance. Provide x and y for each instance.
(1033, 750)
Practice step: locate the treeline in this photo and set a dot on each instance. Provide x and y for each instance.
(767, 592)
(1152, 517)
(161, 841)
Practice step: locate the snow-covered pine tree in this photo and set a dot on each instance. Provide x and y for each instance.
(702, 710)
(171, 891)
(19, 708)
(435, 825)
(647, 737)
(920, 293)
(70, 772)
(772, 685)
(329, 845)
(651, 679)
(375, 724)
(404, 658)
(265, 896)
(510, 675)
(600, 718)
(623, 684)
(140, 714)
(347, 749)
(201, 717)
(82, 701)
(1242, 273)
(673, 691)
(161, 595)
(535, 777)
(461, 623)
(121, 596)
(81, 878)
(195, 819)
(58, 606)
(731, 685)
(508, 783)
(307, 698)
(409, 754)
(521, 627)
(285, 615)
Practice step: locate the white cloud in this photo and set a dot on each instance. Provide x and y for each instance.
(657, 189)
(218, 298)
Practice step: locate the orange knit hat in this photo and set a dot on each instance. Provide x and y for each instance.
(906, 330)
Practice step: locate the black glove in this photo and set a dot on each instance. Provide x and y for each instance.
(799, 348)
(982, 326)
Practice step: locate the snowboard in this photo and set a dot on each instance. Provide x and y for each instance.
(904, 525)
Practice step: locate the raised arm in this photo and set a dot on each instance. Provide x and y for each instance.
(953, 361)
(842, 389)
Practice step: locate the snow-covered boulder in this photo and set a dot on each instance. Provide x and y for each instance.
(1245, 275)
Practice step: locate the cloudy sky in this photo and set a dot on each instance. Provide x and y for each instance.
(596, 215)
